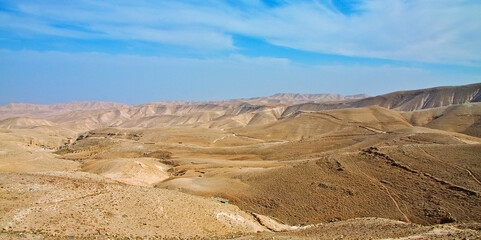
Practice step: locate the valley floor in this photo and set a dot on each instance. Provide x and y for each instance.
(317, 175)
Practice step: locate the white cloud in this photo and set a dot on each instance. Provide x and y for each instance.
(442, 31)
(432, 31)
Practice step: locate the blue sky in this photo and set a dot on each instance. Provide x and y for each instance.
(143, 51)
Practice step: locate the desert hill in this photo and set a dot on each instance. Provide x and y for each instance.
(426, 98)
(39, 111)
(464, 118)
(84, 116)
(293, 98)
(403, 100)
(24, 122)
(312, 124)
(400, 165)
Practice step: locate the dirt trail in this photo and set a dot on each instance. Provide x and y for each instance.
(247, 137)
(395, 202)
(262, 144)
(452, 164)
(379, 183)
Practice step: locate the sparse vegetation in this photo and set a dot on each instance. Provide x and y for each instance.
(159, 154)
(300, 166)
(63, 151)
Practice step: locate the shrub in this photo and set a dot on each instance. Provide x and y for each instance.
(159, 154)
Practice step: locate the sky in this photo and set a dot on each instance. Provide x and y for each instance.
(143, 51)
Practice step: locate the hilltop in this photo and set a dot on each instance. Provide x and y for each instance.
(402, 164)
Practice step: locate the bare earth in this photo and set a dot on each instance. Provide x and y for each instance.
(262, 168)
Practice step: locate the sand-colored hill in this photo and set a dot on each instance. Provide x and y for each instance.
(400, 165)
(83, 116)
(24, 122)
(140, 171)
(293, 98)
(313, 124)
(426, 98)
(30, 150)
(465, 118)
(168, 115)
(80, 206)
(403, 100)
(375, 228)
(40, 111)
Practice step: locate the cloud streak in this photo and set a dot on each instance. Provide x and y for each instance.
(426, 31)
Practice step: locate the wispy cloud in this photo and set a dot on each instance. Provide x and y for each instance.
(442, 31)
(49, 77)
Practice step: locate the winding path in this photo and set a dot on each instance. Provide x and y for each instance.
(452, 164)
(377, 182)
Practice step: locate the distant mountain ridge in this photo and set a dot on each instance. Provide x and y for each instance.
(403, 100)
(287, 98)
(298, 97)
(24, 122)
(426, 98)
(229, 114)
(40, 110)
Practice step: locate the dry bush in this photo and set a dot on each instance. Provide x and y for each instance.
(160, 154)
(63, 151)
(119, 154)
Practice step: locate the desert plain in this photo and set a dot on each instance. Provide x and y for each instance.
(404, 165)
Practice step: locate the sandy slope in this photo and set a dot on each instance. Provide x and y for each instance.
(77, 206)
(464, 118)
(165, 169)
(83, 116)
(141, 171)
